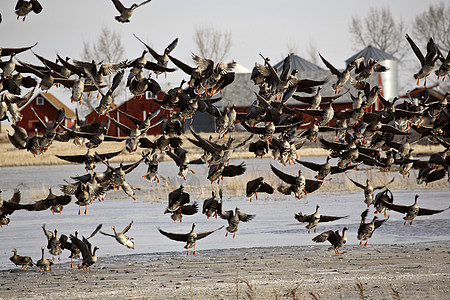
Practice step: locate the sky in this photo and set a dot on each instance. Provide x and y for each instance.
(266, 27)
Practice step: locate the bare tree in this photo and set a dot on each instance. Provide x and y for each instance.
(435, 23)
(380, 30)
(108, 48)
(212, 43)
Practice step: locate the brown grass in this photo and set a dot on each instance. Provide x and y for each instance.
(11, 156)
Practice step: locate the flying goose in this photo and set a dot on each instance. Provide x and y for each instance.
(126, 13)
(233, 218)
(333, 237)
(412, 211)
(189, 238)
(120, 237)
(366, 230)
(315, 218)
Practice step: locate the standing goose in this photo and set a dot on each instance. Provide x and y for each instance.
(412, 211)
(54, 244)
(189, 238)
(44, 264)
(233, 219)
(126, 13)
(23, 261)
(315, 218)
(121, 237)
(333, 237)
(366, 230)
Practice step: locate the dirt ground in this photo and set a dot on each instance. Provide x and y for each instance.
(411, 271)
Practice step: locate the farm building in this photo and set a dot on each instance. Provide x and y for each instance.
(46, 106)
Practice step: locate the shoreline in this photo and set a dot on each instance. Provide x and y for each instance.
(417, 271)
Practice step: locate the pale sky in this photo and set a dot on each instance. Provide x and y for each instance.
(267, 27)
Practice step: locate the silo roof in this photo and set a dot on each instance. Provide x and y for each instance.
(371, 52)
(299, 64)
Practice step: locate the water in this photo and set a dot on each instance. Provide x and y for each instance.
(274, 224)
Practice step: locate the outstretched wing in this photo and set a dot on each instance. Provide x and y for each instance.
(283, 176)
(205, 234)
(426, 211)
(174, 236)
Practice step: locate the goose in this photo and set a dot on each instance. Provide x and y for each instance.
(23, 261)
(317, 99)
(333, 237)
(88, 159)
(324, 169)
(233, 218)
(366, 230)
(44, 264)
(221, 170)
(412, 211)
(23, 8)
(74, 250)
(120, 237)
(8, 207)
(189, 238)
(343, 76)
(152, 161)
(54, 244)
(211, 206)
(49, 131)
(14, 103)
(444, 68)
(54, 202)
(88, 253)
(126, 13)
(369, 189)
(298, 185)
(179, 156)
(380, 198)
(365, 68)
(427, 62)
(315, 218)
(161, 59)
(256, 186)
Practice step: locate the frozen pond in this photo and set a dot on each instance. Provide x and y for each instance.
(274, 224)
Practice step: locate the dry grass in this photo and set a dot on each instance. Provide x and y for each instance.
(11, 156)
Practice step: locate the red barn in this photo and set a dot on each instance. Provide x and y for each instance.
(46, 106)
(138, 107)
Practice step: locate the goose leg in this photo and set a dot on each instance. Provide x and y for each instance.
(365, 244)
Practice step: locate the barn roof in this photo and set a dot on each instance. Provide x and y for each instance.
(298, 63)
(58, 104)
(371, 52)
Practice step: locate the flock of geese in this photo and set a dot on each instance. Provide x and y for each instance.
(364, 135)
